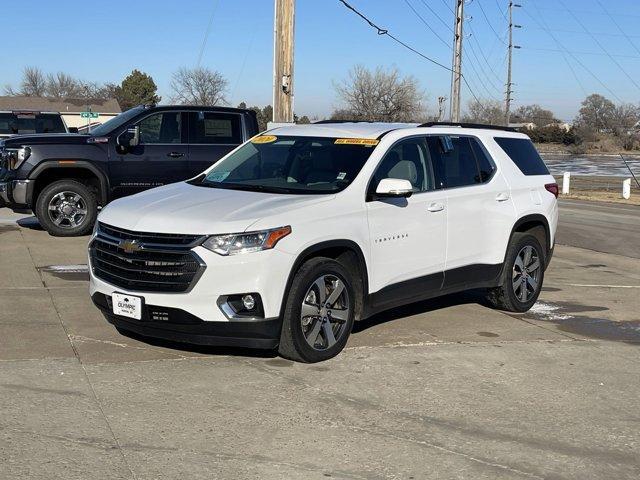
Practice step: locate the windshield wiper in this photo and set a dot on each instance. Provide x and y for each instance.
(247, 188)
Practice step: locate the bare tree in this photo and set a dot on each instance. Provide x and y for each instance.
(534, 114)
(198, 86)
(34, 83)
(380, 95)
(62, 85)
(484, 111)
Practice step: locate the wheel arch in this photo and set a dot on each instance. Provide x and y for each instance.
(53, 170)
(347, 252)
(533, 223)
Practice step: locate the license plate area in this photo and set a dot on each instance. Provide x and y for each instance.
(126, 305)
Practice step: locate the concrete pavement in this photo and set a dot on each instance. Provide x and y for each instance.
(441, 389)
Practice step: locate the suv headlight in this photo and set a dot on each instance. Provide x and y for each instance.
(234, 243)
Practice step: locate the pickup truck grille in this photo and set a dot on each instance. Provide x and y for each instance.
(145, 262)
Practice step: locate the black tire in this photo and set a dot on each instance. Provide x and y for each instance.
(84, 224)
(293, 344)
(504, 297)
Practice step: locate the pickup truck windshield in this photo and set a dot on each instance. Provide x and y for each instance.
(20, 124)
(110, 125)
(298, 165)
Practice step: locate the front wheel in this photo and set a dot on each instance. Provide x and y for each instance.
(319, 312)
(522, 275)
(66, 208)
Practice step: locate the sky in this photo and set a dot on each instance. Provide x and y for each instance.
(569, 48)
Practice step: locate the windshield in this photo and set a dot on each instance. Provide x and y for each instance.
(24, 123)
(299, 165)
(110, 125)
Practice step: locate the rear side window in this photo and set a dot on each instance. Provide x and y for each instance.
(215, 128)
(523, 154)
(454, 161)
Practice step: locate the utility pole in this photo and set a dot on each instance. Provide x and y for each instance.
(456, 75)
(283, 61)
(441, 101)
(508, 91)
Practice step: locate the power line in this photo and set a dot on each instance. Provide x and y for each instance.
(382, 31)
(600, 45)
(580, 32)
(427, 24)
(487, 19)
(435, 14)
(502, 12)
(574, 57)
(619, 27)
(206, 32)
(577, 52)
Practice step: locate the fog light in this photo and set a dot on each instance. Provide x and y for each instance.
(248, 302)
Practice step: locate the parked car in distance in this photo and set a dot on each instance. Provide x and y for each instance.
(64, 179)
(305, 229)
(26, 122)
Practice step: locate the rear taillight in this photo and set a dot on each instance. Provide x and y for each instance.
(552, 188)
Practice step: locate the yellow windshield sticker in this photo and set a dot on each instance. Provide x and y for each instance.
(264, 139)
(369, 142)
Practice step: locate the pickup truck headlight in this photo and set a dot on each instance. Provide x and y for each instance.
(16, 158)
(235, 243)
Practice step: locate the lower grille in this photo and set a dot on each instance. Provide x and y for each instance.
(145, 267)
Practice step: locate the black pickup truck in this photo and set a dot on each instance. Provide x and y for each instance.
(65, 178)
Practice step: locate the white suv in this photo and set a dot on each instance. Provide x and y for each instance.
(303, 230)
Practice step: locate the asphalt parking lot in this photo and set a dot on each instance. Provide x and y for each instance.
(442, 389)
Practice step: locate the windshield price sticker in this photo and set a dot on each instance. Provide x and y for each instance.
(264, 139)
(368, 142)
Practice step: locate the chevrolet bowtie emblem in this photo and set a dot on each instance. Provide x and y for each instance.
(130, 246)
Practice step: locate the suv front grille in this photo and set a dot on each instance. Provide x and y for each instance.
(146, 262)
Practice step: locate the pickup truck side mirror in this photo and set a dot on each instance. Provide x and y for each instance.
(394, 187)
(73, 129)
(129, 138)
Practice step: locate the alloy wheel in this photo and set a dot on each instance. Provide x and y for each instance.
(325, 312)
(526, 273)
(67, 209)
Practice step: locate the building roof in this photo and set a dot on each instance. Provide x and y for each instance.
(43, 104)
(343, 129)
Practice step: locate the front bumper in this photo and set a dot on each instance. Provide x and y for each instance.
(180, 326)
(15, 193)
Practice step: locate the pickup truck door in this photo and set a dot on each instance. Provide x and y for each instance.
(211, 136)
(160, 158)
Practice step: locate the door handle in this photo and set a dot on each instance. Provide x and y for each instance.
(436, 207)
(175, 154)
(502, 197)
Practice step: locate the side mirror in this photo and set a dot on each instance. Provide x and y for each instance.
(129, 138)
(394, 188)
(73, 129)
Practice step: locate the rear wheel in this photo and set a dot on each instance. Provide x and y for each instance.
(522, 275)
(319, 312)
(66, 208)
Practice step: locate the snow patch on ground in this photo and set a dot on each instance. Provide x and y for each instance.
(548, 311)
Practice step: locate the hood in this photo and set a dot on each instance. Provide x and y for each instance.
(46, 139)
(188, 209)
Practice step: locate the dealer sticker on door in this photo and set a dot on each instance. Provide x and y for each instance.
(127, 305)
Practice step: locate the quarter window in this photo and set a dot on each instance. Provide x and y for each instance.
(215, 128)
(163, 127)
(524, 155)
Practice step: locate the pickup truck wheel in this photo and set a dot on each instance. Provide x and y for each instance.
(319, 312)
(66, 208)
(522, 275)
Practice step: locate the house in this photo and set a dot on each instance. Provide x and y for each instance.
(70, 109)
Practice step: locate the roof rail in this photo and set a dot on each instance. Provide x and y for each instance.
(320, 122)
(468, 125)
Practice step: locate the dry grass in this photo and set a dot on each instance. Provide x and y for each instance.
(603, 196)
